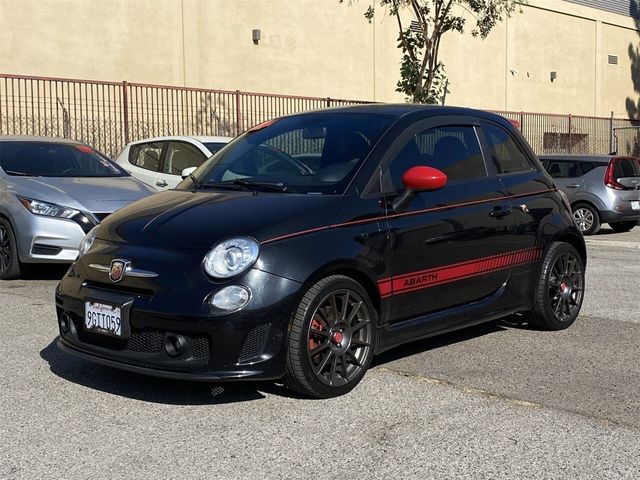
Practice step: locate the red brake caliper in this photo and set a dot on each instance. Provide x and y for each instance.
(316, 325)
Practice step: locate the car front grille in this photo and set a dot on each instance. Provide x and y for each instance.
(143, 341)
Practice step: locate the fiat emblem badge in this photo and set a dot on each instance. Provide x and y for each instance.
(118, 270)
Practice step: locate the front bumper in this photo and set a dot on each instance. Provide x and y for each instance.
(45, 239)
(249, 344)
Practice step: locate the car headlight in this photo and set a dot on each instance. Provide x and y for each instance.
(231, 257)
(38, 207)
(87, 242)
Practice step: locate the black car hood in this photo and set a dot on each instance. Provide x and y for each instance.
(183, 219)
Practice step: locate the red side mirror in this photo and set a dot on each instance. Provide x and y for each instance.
(424, 179)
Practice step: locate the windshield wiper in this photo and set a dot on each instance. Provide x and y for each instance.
(20, 174)
(243, 182)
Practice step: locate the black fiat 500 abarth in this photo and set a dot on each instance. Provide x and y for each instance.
(314, 241)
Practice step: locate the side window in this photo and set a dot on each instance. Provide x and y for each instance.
(504, 152)
(586, 167)
(146, 155)
(563, 169)
(181, 155)
(453, 149)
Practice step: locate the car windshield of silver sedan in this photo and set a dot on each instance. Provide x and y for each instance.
(53, 159)
(311, 153)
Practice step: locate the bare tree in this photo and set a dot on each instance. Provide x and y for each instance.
(422, 75)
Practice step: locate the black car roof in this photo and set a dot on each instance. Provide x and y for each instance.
(577, 157)
(401, 109)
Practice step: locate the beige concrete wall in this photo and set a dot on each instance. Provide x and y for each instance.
(101, 39)
(511, 69)
(322, 48)
(305, 49)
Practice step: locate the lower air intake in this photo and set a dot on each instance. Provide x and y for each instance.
(255, 343)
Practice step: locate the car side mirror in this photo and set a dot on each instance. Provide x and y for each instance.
(419, 179)
(187, 171)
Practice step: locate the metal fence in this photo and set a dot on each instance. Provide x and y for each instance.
(107, 115)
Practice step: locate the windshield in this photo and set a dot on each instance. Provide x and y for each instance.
(310, 153)
(52, 159)
(214, 147)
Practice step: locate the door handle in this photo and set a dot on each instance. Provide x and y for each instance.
(499, 212)
(573, 185)
(161, 183)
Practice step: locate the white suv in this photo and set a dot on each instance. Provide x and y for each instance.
(159, 162)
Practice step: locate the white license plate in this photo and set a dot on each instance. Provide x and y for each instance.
(103, 318)
(635, 205)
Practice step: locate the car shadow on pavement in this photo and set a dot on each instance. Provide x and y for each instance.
(176, 392)
(440, 341)
(44, 271)
(151, 389)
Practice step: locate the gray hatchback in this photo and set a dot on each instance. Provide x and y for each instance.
(600, 188)
(52, 192)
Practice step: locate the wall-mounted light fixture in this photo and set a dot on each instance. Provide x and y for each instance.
(553, 75)
(255, 35)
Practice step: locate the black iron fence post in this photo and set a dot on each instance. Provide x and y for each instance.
(612, 147)
(238, 113)
(570, 133)
(125, 111)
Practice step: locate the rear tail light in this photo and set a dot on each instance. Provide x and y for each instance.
(610, 178)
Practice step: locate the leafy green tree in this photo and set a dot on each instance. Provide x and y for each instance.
(422, 74)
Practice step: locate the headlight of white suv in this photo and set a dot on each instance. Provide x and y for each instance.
(39, 207)
(231, 257)
(87, 242)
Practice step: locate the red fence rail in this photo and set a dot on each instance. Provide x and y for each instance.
(107, 115)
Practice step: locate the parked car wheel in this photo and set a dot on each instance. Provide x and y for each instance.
(622, 226)
(331, 338)
(9, 263)
(560, 288)
(586, 218)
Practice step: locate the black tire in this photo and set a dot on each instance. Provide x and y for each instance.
(622, 227)
(560, 288)
(345, 340)
(9, 262)
(586, 218)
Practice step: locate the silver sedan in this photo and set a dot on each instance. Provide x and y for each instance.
(52, 192)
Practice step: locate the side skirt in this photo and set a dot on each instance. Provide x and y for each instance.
(495, 306)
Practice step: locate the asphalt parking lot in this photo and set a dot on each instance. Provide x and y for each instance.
(496, 401)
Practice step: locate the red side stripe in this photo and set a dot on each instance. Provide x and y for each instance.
(410, 282)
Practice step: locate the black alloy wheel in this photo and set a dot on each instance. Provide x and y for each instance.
(560, 289)
(331, 339)
(9, 264)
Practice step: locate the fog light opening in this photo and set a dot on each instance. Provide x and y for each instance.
(231, 299)
(65, 323)
(175, 345)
